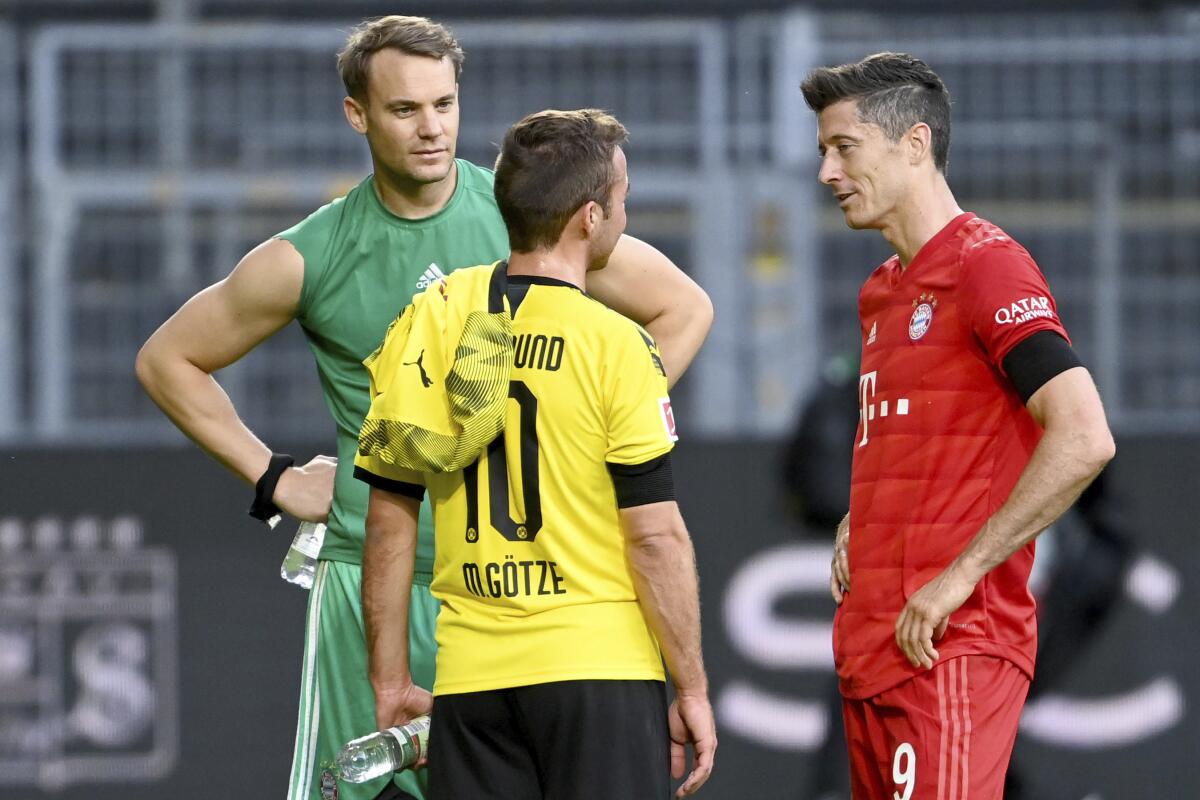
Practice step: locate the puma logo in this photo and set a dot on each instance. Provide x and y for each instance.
(424, 378)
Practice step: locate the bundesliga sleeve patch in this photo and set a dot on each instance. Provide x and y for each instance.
(668, 418)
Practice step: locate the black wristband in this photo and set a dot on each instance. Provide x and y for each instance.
(264, 507)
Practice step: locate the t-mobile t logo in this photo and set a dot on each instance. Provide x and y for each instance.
(867, 408)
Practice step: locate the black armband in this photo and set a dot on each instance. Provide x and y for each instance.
(263, 507)
(413, 490)
(1036, 359)
(642, 484)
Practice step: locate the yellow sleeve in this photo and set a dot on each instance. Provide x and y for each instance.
(381, 368)
(641, 425)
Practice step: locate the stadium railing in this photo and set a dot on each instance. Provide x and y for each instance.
(10, 291)
(161, 153)
(1081, 136)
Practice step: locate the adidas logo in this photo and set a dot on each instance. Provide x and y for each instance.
(432, 275)
(871, 336)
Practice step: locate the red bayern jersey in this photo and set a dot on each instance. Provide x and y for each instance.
(942, 438)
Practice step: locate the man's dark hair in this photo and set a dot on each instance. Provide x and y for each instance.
(415, 36)
(892, 90)
(550, 164)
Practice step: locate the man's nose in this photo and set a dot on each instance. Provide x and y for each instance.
(830, 170)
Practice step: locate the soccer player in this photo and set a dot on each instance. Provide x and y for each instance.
(563, 564)
(978, 428)
(343, 274)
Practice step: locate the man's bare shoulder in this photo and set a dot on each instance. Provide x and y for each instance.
(268, 278)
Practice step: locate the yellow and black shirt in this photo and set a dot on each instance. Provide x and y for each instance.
(530, 565)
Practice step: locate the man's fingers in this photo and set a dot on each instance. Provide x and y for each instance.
(694, 782)
(927, 653)
(835, 585)
(702, 769)
(678, 760)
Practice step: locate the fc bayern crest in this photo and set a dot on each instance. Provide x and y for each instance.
(922, 316)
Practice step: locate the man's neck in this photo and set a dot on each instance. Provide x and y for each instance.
(410, 200)
(555, 263)
(928, 209)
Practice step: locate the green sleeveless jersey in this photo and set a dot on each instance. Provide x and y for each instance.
(362, 266)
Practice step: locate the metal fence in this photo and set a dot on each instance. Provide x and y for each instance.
(10, 322)
(1080, 136)
(161, 153)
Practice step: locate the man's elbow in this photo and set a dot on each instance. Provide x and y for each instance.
(702, 310)
(654, 543)
(1101, 448)
(145, 366)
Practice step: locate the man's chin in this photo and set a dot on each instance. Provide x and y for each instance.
(431, 173)
(857, 223)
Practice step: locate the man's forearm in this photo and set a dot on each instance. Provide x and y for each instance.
(644, 285)
(664, 575)
(1061, 467)
(389, 553)
(197, 405)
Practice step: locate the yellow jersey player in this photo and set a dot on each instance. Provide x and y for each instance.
(563, 567)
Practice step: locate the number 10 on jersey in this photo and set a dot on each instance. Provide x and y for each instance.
(500, 518)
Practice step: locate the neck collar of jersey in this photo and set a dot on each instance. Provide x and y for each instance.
(433, 218)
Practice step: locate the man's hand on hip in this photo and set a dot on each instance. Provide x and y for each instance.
(927, 613)
(306, 492)
(839, 575)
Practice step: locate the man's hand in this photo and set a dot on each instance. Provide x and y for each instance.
(690, 719)
(924, 618)
(306, 492)
(399, 704)
(839, 575)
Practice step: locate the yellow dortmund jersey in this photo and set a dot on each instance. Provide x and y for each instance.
(530, 564)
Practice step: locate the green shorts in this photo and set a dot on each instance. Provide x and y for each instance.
(337, 703)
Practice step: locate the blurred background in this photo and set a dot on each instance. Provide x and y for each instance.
(146, 646)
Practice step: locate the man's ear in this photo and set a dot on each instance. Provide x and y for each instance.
(919, 141)
(356, 114)
(591, 215)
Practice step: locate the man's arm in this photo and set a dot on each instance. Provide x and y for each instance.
(212, 330)
(1074, 449)
(644, 285)
(389, 553)
(664, 575)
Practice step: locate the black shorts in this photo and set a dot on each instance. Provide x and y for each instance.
(569, 740)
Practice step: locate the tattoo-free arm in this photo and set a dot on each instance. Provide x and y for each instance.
(212, 330)
(1075, 447)
(389, 555)
(646, 286)
(664, 575)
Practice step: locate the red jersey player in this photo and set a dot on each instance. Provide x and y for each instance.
(979, 428)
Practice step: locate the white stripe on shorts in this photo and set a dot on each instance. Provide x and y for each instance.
(308, 715)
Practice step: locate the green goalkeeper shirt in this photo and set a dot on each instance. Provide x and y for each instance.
(362, 266)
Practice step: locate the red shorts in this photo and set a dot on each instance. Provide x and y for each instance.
(946, 734)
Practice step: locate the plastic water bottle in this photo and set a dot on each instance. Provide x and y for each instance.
(384, 752)
(300, 563)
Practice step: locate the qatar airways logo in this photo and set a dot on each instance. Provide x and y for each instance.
(868, 409)
(1024, 310)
